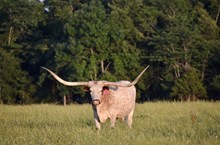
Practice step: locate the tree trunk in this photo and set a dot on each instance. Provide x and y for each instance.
(102, 67)
(10, 35)
(203, 70)
(64, 100)
(1, 102)
(217, 16)
(204, 63)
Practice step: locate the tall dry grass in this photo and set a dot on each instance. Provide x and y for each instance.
(158, 123)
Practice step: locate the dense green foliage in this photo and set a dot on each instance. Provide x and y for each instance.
(109, 40)
(154, 124)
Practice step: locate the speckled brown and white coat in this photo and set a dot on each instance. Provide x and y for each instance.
(115, 102)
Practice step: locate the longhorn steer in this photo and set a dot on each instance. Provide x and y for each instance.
(109, 99)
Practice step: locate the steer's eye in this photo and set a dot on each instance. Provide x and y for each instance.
(86, 89)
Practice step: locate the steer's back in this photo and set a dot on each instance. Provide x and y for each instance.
(124, 100)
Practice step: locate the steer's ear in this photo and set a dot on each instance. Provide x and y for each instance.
(86, 89)
(105, 90)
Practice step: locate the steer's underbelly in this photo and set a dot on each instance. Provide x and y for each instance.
(124, 112)
(114, 111)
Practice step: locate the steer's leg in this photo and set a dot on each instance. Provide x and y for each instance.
(97, 121)
(113, 119)
(129, 119)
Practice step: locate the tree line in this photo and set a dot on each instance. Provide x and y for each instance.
(112, 40)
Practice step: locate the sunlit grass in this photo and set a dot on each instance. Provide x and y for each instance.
(154, 123)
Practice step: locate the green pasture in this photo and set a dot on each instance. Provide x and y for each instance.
(159, 123)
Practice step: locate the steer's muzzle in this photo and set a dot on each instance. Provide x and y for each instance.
(96, 102)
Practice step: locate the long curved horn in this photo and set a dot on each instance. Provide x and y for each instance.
(127, 84)
(66, 82)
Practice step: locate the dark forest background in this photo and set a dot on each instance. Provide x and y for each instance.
(112, 40)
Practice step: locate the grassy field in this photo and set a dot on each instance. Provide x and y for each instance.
(158, 123)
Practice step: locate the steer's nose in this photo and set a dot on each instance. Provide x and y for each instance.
(96, 102)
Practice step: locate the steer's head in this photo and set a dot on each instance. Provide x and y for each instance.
(96, 88)
(96, 91)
